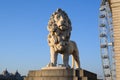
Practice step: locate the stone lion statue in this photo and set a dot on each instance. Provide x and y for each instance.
(59, 27)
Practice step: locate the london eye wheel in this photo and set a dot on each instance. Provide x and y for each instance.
(106, 41)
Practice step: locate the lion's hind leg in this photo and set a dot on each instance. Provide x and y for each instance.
(76, 58)
(73, 62)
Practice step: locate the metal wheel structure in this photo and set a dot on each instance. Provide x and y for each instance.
(107, 41)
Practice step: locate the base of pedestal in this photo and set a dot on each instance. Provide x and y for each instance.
(60, 73)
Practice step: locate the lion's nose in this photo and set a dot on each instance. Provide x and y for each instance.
(62, 20)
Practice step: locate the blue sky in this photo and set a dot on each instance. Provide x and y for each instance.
(23, 33)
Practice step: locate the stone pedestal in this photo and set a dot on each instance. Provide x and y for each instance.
(55, 73)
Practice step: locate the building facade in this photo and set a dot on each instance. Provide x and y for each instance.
(115, 8)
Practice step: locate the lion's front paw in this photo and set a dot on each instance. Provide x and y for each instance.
(67, 66)
(51, 65)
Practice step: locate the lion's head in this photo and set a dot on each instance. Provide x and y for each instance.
(59, 27)
(59, 19)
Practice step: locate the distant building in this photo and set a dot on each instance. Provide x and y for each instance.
(10, 76)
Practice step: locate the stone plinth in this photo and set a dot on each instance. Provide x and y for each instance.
(60, 74)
